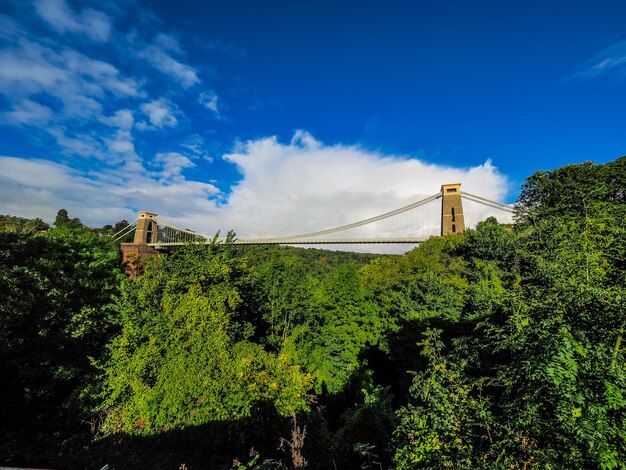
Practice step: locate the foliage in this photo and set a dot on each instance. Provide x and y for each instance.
(317, 262)
(568, 190)
(323, 321)
(445, 425)
(427, 282)
(366, 431)
(63, 220)
(285, 288)
(540, 381)
(116, 229)
(498, 348)
(12, 224)
(341, 322)
(57, 289)
(181, 357)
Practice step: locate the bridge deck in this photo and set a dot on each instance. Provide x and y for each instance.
(311, 241)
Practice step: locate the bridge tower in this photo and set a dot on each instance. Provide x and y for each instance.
(452, 220)
(134, 254)
(146, 231)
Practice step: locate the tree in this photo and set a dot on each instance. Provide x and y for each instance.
(63, 220)
(285, 287)
(541, 379)
(119, 226)
(341, 322)
(57, 290)
(182, 358)
(14, 224)
(568, 190)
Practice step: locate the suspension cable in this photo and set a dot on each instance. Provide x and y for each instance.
(467, 196)
(126, 230)
(487, 202)
(366, 221)
(184, 230)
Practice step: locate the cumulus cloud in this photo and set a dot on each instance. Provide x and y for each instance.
(172, 164)
(286, 188)
(306, 185)
(161, 113)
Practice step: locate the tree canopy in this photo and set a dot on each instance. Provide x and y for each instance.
(501, 347)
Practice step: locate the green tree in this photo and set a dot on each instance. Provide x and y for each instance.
(342, 321)
(14, 224)
(181, 358)
(57, 289)
(567, 191)
(447, 423)
(545, 364)
(285, 288)
(63, 220)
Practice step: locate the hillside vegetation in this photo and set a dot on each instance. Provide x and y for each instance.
(498, 348)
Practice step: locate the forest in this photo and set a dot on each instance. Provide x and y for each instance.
(498, 348)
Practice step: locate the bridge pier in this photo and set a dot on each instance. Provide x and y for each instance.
(452, 219)
(134, 254)
(134, 257)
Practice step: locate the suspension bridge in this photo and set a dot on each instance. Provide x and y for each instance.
(152, 233)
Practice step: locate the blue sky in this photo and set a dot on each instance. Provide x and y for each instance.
(269, 116)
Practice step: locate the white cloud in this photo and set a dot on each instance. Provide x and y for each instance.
(209, 101)
(73, 144)
(121, 143)
(610, 62)
(168, 43)
(27, 112)
(122, 118)
(195, 146)
(285, 189)
(306, 186)
(94, 24)
(78, 86)
(159, 58)
(81, 99)
(39, 174)
(161, 113)
(172, 164)
(38, 188)
(93, 109)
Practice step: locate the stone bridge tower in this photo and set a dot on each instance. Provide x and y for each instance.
(452, 220)
(146, 231)
(134, 254)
